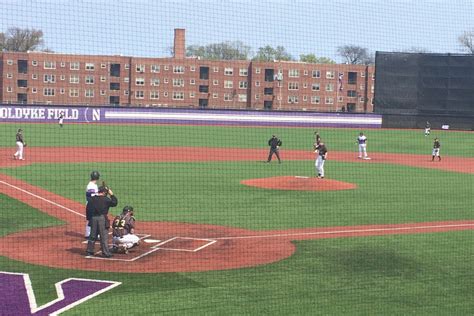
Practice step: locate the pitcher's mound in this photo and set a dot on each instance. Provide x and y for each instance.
(299, 183)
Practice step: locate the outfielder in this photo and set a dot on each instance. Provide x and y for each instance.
(20, 145)
(436, 147)
(322, 154)
(362, 141)
(91, 190)
(123, 230)
(61, 119)
(427, 128)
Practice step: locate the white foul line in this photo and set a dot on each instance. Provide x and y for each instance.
(42, 198)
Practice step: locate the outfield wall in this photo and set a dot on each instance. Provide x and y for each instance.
(49, 114)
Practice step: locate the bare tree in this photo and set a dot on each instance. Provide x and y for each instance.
(355, 54)
(467, 41)
(22, 40)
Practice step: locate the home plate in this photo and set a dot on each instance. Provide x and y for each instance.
(151, 241)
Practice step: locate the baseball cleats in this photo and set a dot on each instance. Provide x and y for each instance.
(89, 253)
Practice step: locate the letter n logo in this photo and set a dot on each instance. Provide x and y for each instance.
(17, 297)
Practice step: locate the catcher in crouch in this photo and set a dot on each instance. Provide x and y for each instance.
(123, 231)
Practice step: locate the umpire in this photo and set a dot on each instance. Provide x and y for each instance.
(274, 144)
(98, 207)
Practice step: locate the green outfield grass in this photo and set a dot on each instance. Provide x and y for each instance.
(426, 274)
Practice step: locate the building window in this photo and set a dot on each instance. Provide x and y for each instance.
(140, 94)
(215, 95)
(165, 80)
(178, 82)
(203, 89)
(329, 87)
(114, 86)
(90, 66)
(305, 98)
(257, 83)
(361, 87)
(257, 97)
(227, 97)
(268, 91)
(315, 99)
(258, 70)
(89, 93)
(9, 62)
(74, 65)
(49, 92)
(34, 76)
(215, 69)
(166, 67)
(34, 90)
(103, 92)
(305, 85)
(192, 94)
(49, 65)
(329, 100)
(362, 74)
(293, 86)
(330, 74)
(292, 99)
(140, 68)
(62, 77)
(103, 65)
(229, 71)
(243, 72)
(63, 64)
(178, 95)
(103, 78)
(316, 74)
(293, 73)
(126, 79)
(243, 84)
(215, 82)
(49, 78)
(352, 77)
(127, 66)
(9, 76)
(22, 83)
(228, 84)
(154, 95)
(305, 72)
(74, 93)
(155, 82)
(89, 79)
(9, 89)
(192, 68)
(242, 98)
(74, 79)
(361, 99)
(351, 93)
(155, 68)
(139, 81)
(178, 69)
(34, 63)
(125, 92)
(192, 81)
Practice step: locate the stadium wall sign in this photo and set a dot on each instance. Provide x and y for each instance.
(20, 113)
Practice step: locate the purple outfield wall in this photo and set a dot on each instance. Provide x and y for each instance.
(48, 114)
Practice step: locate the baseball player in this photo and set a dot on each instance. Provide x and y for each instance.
(20, 145)
(123, 231)
(274, 144)
(427, 128)
(436, 147)
(61, 119)
(91, 190)
(321, 156)
(362, 141)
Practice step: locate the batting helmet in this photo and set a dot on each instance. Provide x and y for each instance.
(95, 175)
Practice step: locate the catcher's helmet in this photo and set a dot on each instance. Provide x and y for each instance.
(127, 209)
(95, 175)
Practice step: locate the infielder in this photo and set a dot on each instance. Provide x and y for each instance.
(20, 145)
(427, 128)
(123, 230)
(362, 141)
(322, 154)
(91, 190)
(274, 144)
(436, 147)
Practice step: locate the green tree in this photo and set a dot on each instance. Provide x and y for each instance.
(21, 40)
(269, 53)
(313, 59)
(220, 51)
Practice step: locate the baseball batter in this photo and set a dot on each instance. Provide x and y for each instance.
(362, 141)
(321, 157)
(20, 145)
(123, 230)
(91, 190)
(435, 152)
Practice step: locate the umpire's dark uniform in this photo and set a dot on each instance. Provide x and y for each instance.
(274, 144)
(99, 206)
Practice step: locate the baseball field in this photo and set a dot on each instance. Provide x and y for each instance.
(224, 233)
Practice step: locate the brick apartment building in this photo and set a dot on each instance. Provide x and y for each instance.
(183, 82)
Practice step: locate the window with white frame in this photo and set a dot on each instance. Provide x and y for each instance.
(9, 75)
(215, 95)
(257, 83)
(315, 99)
(9, 89)
(89, 93)
(103, 78)
(257, 96)
(9, 62)
(165, 80)
(315, 87)
(242, 98)
(192, 94)
(62, 77)
(34, 63)
(154, 95)
(178, 82)
(74, 93)
(126, 66)
(49, 78)
(126, 79)
(340, 99)
(330, 74)
(215, 69)
(139, 94)
(329, 100)
(34, 76)
(243, 84)
(165, 94)
(258, 70)
(192, 68)
(103, 92)
(178, 95)
(362, 74)
(329, 87)
(140, 81)
(103, 65)
(155, 68)
(90, 66)
(305, 98)
(126, 92)
(192, 81)
(316, 74)
(89, 79)
(293, 73)
(139, 68)
(34, 90)
(74, 65)
(49, 65)
(166, 67)
(293, 86)
(155, 82)
(178, 69)
(305, 72)
(228, 71)
(361, 99)
(63, 64)
(215, 82)
(243, 72)
(292, 99)
(49, 92)
(361, 87)
(228, 84)
(227, 97)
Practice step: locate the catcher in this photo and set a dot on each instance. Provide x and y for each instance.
(123, 231)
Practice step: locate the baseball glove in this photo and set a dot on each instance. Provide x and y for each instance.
(24, 145)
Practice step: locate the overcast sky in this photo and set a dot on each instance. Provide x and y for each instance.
(145, 27)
